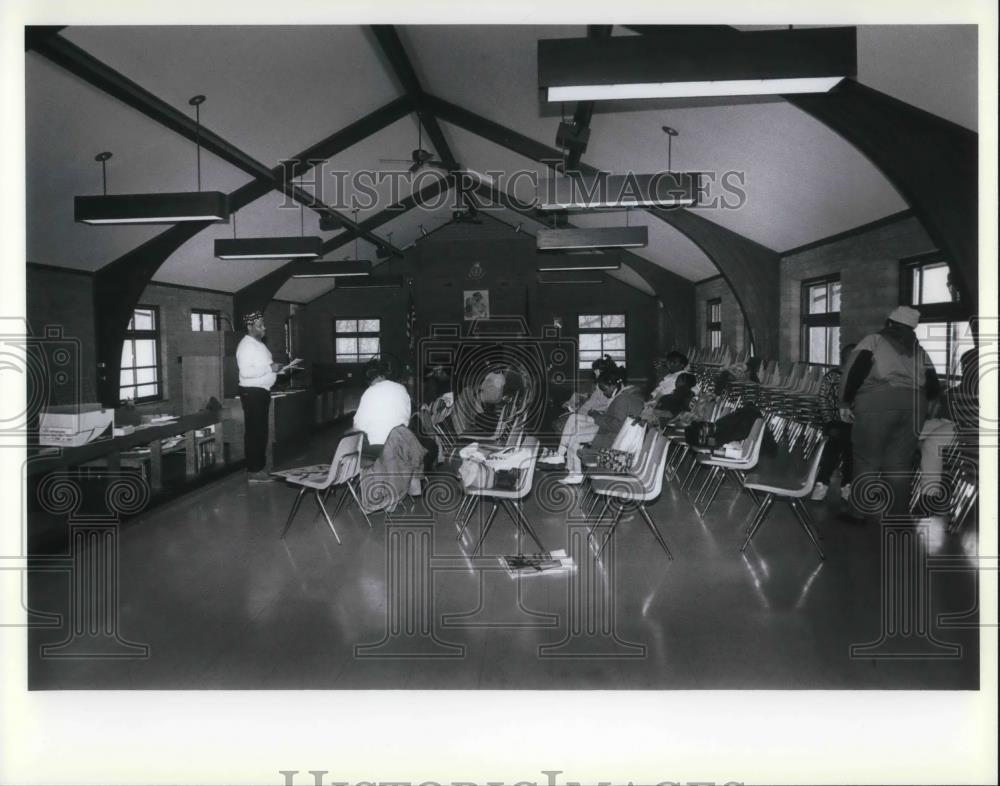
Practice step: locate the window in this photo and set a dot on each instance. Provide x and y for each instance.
(944, 330)
(202, 320)
(600, 335)
(356, 340)
(140, 368)
(821, 321)
(713, 328)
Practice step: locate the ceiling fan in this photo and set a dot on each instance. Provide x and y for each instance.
(419, 157)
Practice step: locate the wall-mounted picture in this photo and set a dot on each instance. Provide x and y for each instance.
(477, 303)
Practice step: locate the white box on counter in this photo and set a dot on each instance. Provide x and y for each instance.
(74, 425)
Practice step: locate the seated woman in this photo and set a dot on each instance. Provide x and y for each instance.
(579, 427)
(672, 404)
(623, 403)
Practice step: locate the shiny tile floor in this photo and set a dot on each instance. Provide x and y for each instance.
(221, 602)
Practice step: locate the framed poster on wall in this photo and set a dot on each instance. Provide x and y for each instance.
(477, 304)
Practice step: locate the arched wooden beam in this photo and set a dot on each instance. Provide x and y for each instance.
(932, 162)
(750, 269)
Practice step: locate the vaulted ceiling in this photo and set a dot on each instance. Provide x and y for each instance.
(274, 91)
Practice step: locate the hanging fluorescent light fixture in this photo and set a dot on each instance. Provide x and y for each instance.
(685, 62)
(269, 248)
(584, 238)
(580, 262)
(372, 282)
(588, 192)
(554, 278)
(163, 208)
(326, 268)
(292, 247)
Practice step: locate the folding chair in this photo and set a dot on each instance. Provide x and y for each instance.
(638, 490)
(721, 466)
(792, 489)
(342, 471)
(510, 500)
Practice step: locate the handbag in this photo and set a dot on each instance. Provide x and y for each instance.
(615, 460)
(506, 479)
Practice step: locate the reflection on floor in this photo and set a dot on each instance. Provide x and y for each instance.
(222, 602)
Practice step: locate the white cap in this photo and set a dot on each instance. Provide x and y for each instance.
(905, 315)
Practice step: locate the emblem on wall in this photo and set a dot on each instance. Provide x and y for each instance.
(476, 272)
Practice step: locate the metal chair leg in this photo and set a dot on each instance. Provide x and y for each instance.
(715, 491)
(806, 521)
(656, 532)
(326, 515)
(757, 520)
(600, 517)
(342, 498)
(471, 503)
(514, 509)
(486, 528)
(712, 472)
(354, 493)
(611, 529)
(295, 509)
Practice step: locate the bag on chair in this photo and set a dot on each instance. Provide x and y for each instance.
(630, 437)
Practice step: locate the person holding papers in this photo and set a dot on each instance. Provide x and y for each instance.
(258, 373)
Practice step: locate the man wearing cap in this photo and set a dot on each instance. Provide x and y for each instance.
(258, 372)
(888, 381)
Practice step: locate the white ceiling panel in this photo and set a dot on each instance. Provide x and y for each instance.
(272, 91)
(802, 181)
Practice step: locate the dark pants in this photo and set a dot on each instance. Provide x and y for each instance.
(256, 403)
(838, 451)
(885, 442)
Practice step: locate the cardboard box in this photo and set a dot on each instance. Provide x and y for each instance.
(72, 426)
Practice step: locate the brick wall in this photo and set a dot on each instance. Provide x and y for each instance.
(868, 264)
(734, 332)
(64, 298)
(175, 305)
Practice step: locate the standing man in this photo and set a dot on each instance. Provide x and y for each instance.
(258, 372)
(887, 383)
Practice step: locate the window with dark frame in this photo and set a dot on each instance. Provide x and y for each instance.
(204, 320)
(944, 330)
(140, 374)
(600, 335)
(821, 321)
(713, 327)
(357, 340)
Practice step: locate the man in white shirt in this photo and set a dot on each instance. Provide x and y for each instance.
(258, 372)
(384, 405)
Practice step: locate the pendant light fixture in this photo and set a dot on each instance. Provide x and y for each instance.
(686, 62)
(156, 208)
(329, 268)
(293, 247)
